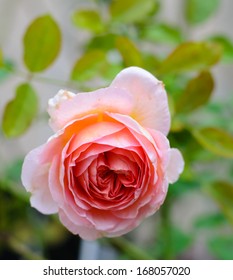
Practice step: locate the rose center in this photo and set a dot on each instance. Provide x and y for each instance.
(110, 180)
(114, 180)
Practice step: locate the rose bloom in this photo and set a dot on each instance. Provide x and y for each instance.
(109, 163)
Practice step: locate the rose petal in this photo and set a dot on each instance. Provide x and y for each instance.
(150, 99)
(162, 147)
(139, 134)
(64, 110)
(87, 233)
(94, 133)
(35, 180)
(175, 165)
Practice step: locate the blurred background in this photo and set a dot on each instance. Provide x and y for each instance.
(81, 45)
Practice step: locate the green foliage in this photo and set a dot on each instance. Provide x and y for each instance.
(215, 140)
(196, 94)
(198, 11)
(42, 43)
(129, 52)
(6, 69)
(88, 19)
(132, 10)
(180, 241)
(88, 65)
(14, 190)
(104, 42)
(222, 193)
(162, 33)
(128, 249)
(221, 247)
(215, 113)
(171, 241)
(13, 171)
(210, 221)
(183, 186)
(20, 112)
(227, 47)
(191, 56)
(1, 58)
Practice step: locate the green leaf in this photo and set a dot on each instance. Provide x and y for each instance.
(191, 56)
(196, 94)
(210, 221)
(179, 241)
(110, 72)
(222, 193)
(221, 247)
(131, 10)
(104, 42)
(215, 140)
(1, 58)
(150, 62)
(162, 33)
(42, 43)
(88, 19)
(189, 147)
(198, 11)
(176, 84)
(227, 47)
(6, 69)
(104, 1)
(89, 65)
(20, 112)
(181, 187)
(129, 52)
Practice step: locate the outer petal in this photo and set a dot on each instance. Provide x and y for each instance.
(175, 165)
(35, 180)
(150, 99)
(66, 106)
(83, 231)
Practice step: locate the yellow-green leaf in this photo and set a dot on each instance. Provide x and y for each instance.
(197, 11)
(196, 94)
(88, 19)
(103, 42)
(42, 43)
(89, 65)
(1, 58)
(215, 140)
(20, 112)
(162, 33)
(128, 11)
(191, 56)
(129, 52)
(222, 193)
(227, 47)
(150, 62)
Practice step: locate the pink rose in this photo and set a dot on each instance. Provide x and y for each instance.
(109, 163)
